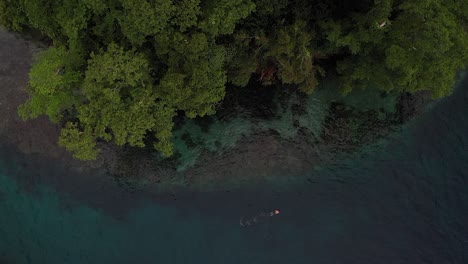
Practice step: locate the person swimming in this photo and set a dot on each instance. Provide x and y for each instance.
(261, 217)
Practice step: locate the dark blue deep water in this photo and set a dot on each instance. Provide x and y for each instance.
(401, 202)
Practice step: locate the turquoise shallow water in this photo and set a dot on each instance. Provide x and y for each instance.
(406, 202)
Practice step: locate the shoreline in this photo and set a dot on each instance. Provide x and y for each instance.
(254, 159)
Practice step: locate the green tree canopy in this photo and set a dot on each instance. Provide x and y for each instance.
(120, 70)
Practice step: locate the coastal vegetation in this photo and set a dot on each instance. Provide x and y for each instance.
(121, 71)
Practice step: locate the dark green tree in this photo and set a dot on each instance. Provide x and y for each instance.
(407, 45)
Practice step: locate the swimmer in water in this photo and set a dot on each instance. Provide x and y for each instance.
(258, 218)
(275, 212)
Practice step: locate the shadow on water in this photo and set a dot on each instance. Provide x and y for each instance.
(406, 203)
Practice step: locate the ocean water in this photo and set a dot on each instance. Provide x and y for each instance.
(405, 201)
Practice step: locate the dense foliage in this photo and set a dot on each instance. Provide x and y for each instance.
(121, 70)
